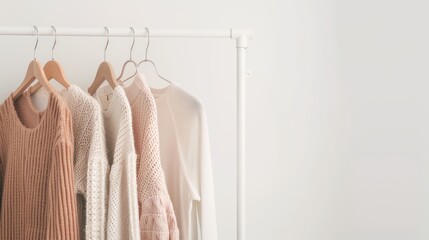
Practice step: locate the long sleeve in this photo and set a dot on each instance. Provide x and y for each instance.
(202, 176)
(123, 219)
(157, 217)
(96, 194)
(1, 173)
(1, 180)
(62, 213)
(2, 170)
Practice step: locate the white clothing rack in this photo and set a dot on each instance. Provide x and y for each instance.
(240, 35)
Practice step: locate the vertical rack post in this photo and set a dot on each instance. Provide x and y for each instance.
(240, 35)
(241, 137)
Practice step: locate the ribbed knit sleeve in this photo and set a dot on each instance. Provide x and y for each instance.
(1, 165)
(1, 181)
(62, 213)
(1, 171)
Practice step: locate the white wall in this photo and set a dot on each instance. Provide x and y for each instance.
(337, 106)
(383, 62)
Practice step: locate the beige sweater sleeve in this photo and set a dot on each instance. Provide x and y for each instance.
(62, 212)
(96, 187)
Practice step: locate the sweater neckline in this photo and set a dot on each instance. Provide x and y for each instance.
(27, 99)
(162, 93)
(105, 91)
(133, 90)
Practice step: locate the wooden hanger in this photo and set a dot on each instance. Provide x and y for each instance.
(34, 71)
(53, 70)
(105, 72)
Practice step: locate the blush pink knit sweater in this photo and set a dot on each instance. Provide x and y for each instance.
(156, 213)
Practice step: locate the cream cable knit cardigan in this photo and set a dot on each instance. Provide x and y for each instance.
(90, 161)
(122, 213)
(156, 213)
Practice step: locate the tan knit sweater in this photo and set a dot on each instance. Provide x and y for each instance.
(36, 171)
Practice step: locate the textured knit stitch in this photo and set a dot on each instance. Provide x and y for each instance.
(90, 161)
(122, 213)
(36, 171)
(156, 213)
(186, 161)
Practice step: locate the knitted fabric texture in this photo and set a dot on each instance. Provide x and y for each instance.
(122, 213)
(157, 219)
(36, 171)
(186, 161)
(90, 161)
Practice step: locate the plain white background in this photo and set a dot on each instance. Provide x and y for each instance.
(338, 116)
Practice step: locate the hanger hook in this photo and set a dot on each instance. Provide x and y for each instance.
(107, 43)
(55, 41)
(37, 41)
(148, 42)
(132, 45)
